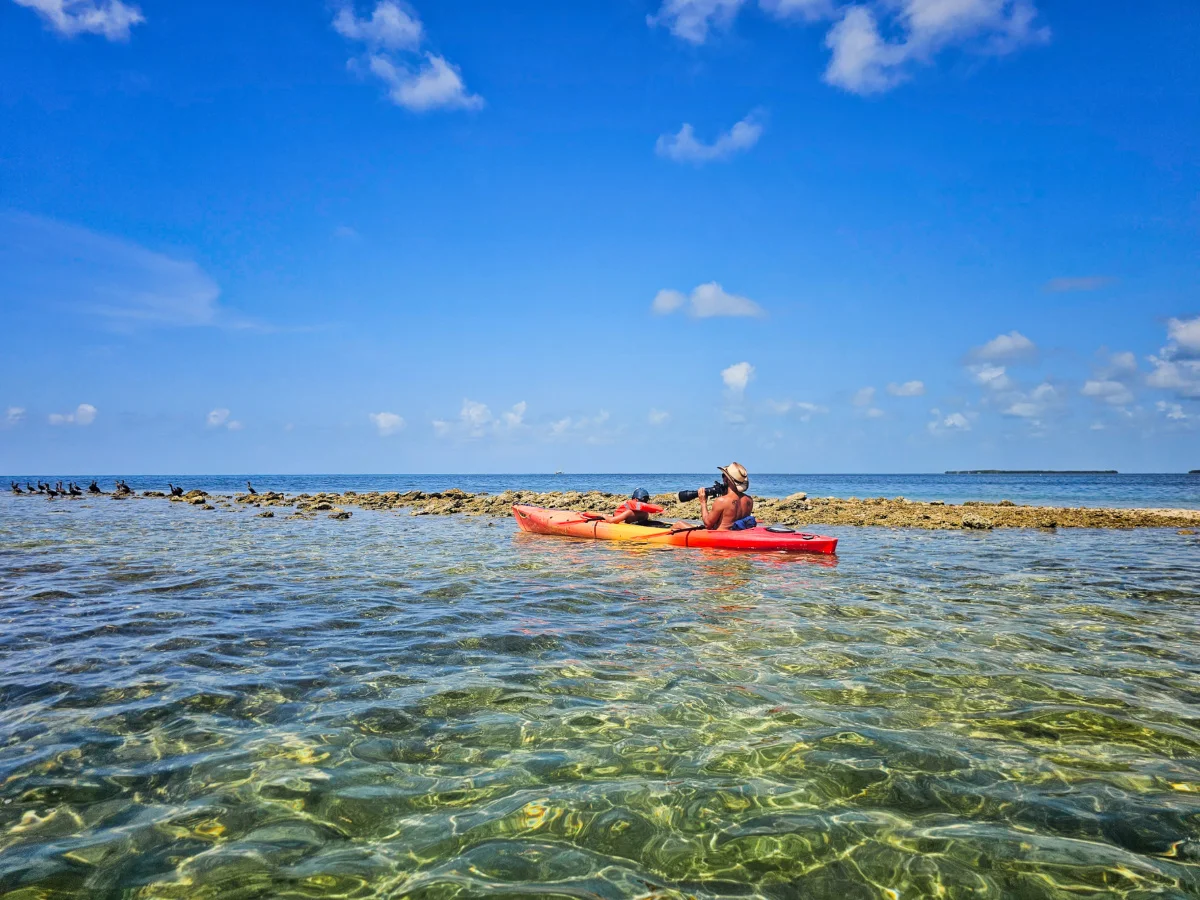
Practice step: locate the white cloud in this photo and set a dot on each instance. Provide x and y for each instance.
(588, 429)
(389, 26)
(219, 418)
(388, 423)
(908, 389)
(417, 81)
(953, 422)
(1172, 411)
(85, 414)
(15, 416)
(47, 262)
(874, 413)
(707, 301)
(803, 410)
(863, 396)
(1070, 285)
(737, 376)
(110, 18)
(1185, 333)
(1113, 392)
(808, 10)
(993, 378)
(1036, 404)
(1180, 376)
(690, 20)
(864, 62)
(684, 146)
(1121, 363)
(436, 84)
(658, 417)
(475, 420)
(667, 301)
(1013, 345)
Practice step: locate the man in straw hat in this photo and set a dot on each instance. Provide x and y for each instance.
(732, 509)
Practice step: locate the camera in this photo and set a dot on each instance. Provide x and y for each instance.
(718, 489)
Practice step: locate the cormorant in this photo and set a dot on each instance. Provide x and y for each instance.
(74, 490)
(94, 488)
(175, 491)
(29, 487)
(250, 488)
(16, 488)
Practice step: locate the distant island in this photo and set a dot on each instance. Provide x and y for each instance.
(1194, 472)
(1036, 472)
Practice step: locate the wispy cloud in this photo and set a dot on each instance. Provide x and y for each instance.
(219, 418)
(907, 389)
(863, 61)
(805, 10)
(49, 262)
(475, 420)
(15, 415)
(863, 396)
(684, 146)
(691, 20)
(85, 414)
(658, 417)
(706, 301)
(392, 37)
(110, 18)
(947, 424)
(387, 423)
(800, 409)
(1011, 346)
(1071, 285)
(993, 378)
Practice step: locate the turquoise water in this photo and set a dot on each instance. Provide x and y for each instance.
(1175, 491)
(207, 704)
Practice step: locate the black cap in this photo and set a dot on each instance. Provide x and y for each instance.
(641, 494)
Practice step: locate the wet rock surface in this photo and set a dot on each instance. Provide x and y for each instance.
(797, 510)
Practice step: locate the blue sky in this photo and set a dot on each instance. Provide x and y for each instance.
(605, 235)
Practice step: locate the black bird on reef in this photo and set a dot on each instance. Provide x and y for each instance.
(16, 488)
(250, 488)
(175, 491)
(74, 490)
(51, 491)
(58, 487)
(29, 487)
(94, 488)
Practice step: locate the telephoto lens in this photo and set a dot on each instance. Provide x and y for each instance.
(688, 496)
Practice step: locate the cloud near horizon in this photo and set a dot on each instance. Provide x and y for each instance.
(416, 80)
(84, 414)
(387, 423)
(685, 147)
(111, 19)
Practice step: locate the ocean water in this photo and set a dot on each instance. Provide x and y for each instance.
(204, 704)
(1173, 491)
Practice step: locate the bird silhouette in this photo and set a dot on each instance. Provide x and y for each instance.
(250, 488)
(94, 488)
(29, 487)
(16, 488)
(175, 491)
(74, 490)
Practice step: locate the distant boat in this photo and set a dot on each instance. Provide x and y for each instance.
(558, 473)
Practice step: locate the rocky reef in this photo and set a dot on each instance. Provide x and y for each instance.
(798, 510)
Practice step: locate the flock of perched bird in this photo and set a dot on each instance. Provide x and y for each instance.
(74, 490)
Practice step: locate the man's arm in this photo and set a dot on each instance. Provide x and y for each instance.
(712, 517)
(623, 516)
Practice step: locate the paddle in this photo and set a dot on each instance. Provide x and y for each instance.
(587, 517)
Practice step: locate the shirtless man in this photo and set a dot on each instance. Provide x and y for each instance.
(733, 510)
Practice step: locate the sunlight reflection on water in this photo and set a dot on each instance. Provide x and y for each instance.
(202, 703)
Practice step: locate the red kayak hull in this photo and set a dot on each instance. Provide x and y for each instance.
(569, 523)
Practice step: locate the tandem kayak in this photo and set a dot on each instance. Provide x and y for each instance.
(569, 523)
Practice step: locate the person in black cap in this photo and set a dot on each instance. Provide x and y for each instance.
(637, 510)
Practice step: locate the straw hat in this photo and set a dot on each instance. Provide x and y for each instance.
(737, 474)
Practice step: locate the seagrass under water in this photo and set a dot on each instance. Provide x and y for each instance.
(207, 704)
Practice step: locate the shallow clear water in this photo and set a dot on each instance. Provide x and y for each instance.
(1175, 491)
(206, 704)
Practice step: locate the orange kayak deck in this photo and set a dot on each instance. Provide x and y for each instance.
(570, 523)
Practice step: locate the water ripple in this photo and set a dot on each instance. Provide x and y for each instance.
(213, 705)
